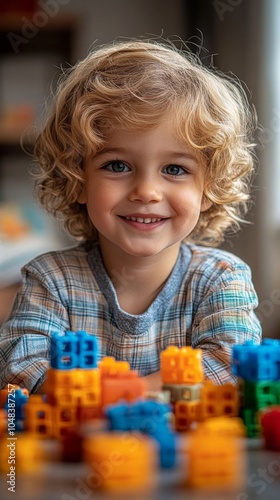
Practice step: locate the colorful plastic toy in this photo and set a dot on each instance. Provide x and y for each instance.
(73, 350)
(215, 460)
(121, 462)
(256, 362)
(181, 365)
(270, 423)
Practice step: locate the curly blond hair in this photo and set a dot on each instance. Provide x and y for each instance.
(133, 85)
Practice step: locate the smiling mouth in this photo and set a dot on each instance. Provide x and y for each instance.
(142, 220)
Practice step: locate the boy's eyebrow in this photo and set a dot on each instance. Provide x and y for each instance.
(174, 154)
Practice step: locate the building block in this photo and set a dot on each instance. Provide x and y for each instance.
(73, 350)
(3, 422)
(64, 350)
(3, 397)
(64, 419)
(218, 400)
(72, 446)
(256, 362)
(183, 392)
(38, 416)
(108, 366)
(150, 418)
(18, 399)
(251, 421)
(158, 396)
(186, 413)
(27, 451)
(270, 426)
(257, 395)
(144, 416)
(87, 350)
(121, 462)
(215, 461)
(222, 426)
(181, 365)
(127, 387)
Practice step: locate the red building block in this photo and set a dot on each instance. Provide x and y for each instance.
(270, 423)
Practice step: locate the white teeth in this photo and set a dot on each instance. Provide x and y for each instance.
(147, 220)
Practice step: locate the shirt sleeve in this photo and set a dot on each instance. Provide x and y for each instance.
(25, 337)
(225, 316)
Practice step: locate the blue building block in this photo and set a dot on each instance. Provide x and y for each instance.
(64, 350)
(149, 417)
(18, 401)
(167, 447)
(87, 350)
(256, 362)
(145, 416)
(73, 350)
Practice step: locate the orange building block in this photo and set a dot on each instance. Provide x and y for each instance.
(121, 462)
(218, 400)
(186, 413)
(26, 452)
(223, 426)
(108, 366)
(181, 365)
(72, 388)
(38, 416)
(3, 397)
(3, 422)
(215, 461)
(127, 387)
(64, 419)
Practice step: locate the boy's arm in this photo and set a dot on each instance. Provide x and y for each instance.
(154, 381)
(225, 317)
(25, 337)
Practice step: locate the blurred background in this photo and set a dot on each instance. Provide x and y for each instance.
(39, 37)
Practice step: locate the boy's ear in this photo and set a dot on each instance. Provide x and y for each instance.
(205, 204)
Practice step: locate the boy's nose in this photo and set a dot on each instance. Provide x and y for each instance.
(146, 191)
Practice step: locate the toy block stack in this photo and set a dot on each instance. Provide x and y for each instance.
(182, 375)
(72, 387)
(258, 370)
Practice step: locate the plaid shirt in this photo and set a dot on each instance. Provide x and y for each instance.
(207, 302)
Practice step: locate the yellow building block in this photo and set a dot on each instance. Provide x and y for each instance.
(223, 426)
(108, 366)
(121, 461)
(3, 422)
(38, 416)
(216, 461)
(186, 413)
(181, 365)
(218, 400)
(25, 453)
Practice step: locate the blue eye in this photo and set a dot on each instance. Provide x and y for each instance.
(174, 170)
(117, 167)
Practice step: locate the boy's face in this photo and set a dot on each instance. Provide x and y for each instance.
(144, 191)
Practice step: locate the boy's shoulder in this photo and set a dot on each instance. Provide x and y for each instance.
(75, 255)
(214, 260)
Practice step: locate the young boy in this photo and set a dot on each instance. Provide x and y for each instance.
(147, 156)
